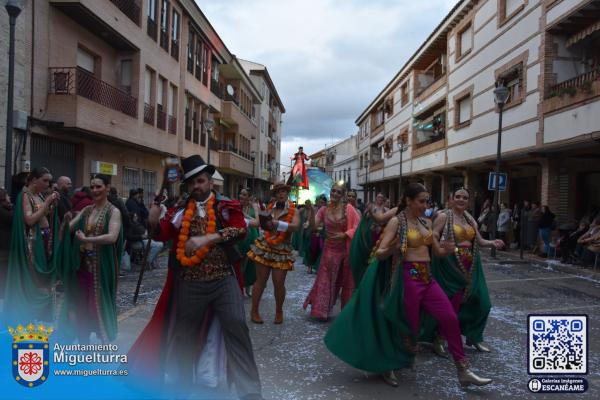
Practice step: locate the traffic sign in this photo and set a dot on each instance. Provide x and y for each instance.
(502, 178)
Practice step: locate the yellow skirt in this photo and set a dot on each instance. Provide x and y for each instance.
(277, 257)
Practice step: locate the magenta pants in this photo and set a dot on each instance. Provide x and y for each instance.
(466, 257)
(422, 291)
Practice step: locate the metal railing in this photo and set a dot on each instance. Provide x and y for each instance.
(151, 28)
(129, 8)
(574, 83)
(172, 124)
(73, 80)
(148, 114)
(161, 120)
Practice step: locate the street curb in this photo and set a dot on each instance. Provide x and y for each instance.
(555, 264)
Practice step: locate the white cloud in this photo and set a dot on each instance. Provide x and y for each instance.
(328, 58)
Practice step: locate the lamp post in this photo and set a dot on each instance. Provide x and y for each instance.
(253, 158)
(501, 94)
(208, 126)
(13, 8)
(402, 147)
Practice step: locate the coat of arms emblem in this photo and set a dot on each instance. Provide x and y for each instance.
(30, 354)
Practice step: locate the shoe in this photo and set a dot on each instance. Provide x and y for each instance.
(390, 378)
(439, 348)
(255, 317)
(278, 318)
(481, 347)
(467, 377)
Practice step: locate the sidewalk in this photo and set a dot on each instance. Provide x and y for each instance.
(513, 256)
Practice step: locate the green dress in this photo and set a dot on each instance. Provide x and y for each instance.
(360, 248)
(248, 266)
(31, 271)
(371, 332)
(106, 261)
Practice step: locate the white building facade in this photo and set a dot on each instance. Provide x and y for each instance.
(440, 107)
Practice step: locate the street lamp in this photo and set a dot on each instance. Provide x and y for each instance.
(501, 94)
(208, 126)
(402, 147)
(253, 158)
(13, 8)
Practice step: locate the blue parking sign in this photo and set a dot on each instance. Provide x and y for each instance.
(502, 181)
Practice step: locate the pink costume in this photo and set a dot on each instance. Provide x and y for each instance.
(334, 270)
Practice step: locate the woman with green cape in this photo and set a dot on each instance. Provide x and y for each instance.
(33, 257)
(459, 272)
(251, 216)
(377, 331)
(91, 261)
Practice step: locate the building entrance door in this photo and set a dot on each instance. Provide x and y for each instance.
(58, 156)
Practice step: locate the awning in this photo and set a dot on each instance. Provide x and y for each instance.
(218, 178)
(582, 34)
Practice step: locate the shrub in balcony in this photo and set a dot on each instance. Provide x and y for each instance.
(571, 91)
(586, 87)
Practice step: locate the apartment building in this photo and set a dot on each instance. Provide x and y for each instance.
(266, 148)
(440, 107)
(340, 162)
(116, 86)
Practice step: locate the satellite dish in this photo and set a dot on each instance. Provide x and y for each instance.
(230, 90)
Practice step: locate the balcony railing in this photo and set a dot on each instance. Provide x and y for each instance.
(129, 8)
(172, 125)
(152, 28)
(72, 80)
(175, 49)
(233, 149)
(148, 114)
(571, 85)
(164, 40)
(161, 120)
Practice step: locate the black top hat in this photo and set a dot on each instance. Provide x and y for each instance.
(193, 165)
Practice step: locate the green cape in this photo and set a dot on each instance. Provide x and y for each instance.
(28, 295)
(361, 247)
(248, 266)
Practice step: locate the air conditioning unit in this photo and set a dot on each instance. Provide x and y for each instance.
(20, 120)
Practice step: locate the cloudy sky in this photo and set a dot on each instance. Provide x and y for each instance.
(327, 58)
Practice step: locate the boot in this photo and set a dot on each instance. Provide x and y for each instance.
(482, 347)
(390, 378)
(467, 377)
(439, 348)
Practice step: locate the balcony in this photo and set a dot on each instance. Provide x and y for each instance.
(129, 8)
(232, 162)
(573, 91)
(76, 81)
(102, 21)
(172, 125)
(233, 116)
(161, 119)
(431, 78)
(149, 114)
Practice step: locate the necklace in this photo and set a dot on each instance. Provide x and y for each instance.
(184, 234)
(280, 237)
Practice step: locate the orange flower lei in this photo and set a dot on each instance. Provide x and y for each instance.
(184, 234)
(280, 237)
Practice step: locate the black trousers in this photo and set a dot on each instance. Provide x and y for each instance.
(192, 299)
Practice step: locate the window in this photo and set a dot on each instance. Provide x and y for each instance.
(190, 51)
(379, 116)
(86, 60)
(126, 75)
(513, 76)
(198, 58)
(465, 41)
(404, 94)
(262, 124)
(508, 9)
(160, 93)
(389, 106)
(151, 20)
(464, 110)
(188, 126)
(131, 179)
(164, 25)
(147, 86)
(171, 100)
(205, 57)
(152, 10)
(430, 126)
(149, 185)
(175, 36)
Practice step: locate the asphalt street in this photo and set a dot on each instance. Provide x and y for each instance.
(295, 364)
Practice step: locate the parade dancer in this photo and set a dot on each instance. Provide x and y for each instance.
(340, 220)
(298, 176)
(200, 278)
(272, 252)
(32, 265)
(459, 272)
(378, 329)
(90, 267)
(251, 217)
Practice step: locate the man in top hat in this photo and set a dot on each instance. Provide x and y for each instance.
(203, 228)
(299, 177)
(272, 252)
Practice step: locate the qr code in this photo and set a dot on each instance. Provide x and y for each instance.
(557, 344)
